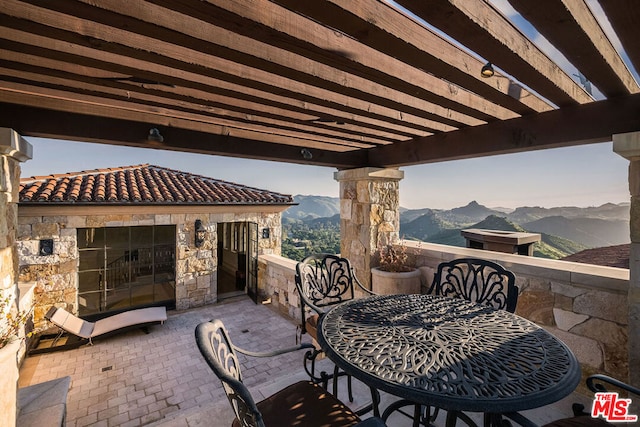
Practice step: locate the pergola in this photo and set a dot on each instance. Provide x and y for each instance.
(347, 84)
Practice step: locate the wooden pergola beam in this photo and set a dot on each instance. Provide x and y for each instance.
(221, 51)
(624, 15)
(570, 27)
(113, 59)
(384, 28)
(581, 124)
(483, 29)
(77, 126)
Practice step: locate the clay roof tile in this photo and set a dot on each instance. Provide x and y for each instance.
(142, 183)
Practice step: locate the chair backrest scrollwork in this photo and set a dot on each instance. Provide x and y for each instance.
(219, 353)
(477, 280)
(324, 280)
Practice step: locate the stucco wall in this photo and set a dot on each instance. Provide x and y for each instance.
(56, 275)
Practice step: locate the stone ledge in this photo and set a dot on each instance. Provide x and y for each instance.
(43, 404)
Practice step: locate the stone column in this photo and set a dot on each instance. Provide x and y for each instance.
(13, 150)
(369, 214)
(628, 146)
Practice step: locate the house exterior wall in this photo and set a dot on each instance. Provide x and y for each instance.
(56, 275)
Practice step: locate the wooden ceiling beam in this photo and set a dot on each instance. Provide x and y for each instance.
(183, 100)
(624, 15)
(481, 28)
(76, 126)
(185, 110)
(219, 50)
(384, 28)
(571, 27)
(88, 106)
(242, 82)
(580, 124)
(265, 21)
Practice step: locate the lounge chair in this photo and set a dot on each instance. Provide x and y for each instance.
(87, 331)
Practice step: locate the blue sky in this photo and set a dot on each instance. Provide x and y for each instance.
(588, 175)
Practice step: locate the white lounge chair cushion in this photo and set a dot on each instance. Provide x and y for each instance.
(129, 318)
(72, 324)
(84, 329)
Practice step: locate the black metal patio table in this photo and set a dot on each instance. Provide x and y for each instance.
(449, 353)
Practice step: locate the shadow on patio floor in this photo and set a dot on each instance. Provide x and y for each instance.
(160, 379)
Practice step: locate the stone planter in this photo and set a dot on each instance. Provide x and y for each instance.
(9, 383)
(389, 282)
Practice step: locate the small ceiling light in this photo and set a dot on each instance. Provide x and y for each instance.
(155, 136)
(201, 233)
(306, 154)
(487, 70)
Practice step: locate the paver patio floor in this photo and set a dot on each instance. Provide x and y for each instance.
(160, 378)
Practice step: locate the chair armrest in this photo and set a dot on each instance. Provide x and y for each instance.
(274, 352)
(595, 384)
(360, 285)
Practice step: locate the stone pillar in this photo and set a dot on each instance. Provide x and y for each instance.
(628, 146)
(13, 150)
(369, 214)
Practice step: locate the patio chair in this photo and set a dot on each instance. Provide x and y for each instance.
(475, 280)
(323, 281)
(303, 403)
(133, 319)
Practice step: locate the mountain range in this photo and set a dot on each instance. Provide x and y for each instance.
(564, 230)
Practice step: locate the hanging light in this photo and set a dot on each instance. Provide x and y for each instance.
(155, 135)
(487, 70)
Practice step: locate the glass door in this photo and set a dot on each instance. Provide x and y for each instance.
(126, 267)
(252, 262)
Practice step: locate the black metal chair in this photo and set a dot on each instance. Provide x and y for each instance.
(475, 280)
(303, 403)
(323, 280)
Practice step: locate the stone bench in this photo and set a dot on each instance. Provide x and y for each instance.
(43, 404)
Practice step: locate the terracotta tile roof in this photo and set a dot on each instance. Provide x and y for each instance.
(609, 256)
(144, 184)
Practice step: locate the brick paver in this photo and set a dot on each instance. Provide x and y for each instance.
(161, 380)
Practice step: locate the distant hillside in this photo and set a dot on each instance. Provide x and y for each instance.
(590, 232)
(424, 226)
(313, 207)
(608, 211)
(553, 247)
(564, 230)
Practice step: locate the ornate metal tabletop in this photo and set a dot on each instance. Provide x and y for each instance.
(449, 353)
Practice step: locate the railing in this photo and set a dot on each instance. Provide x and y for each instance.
(586, 306)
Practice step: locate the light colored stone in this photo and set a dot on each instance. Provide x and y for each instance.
(565, 320)
(603, 305)
(587, 351)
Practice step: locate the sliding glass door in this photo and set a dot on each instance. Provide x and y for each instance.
(126, 267)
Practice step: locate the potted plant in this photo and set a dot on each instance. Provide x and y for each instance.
(392, 274)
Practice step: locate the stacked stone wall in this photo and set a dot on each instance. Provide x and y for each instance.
(583, 305)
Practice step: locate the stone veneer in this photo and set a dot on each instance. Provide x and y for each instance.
(628, 146)
(369, 214)
(583, 305)
(56, 275)
(13, 150)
